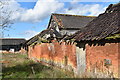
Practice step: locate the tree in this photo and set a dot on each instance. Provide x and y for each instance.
(5, 16)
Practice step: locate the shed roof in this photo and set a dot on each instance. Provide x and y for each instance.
(104, 25)
(67, 21)
(50, 31)
(11, 41)
(41, 34)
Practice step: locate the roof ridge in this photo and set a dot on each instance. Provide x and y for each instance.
(71, 15)
(117, 4)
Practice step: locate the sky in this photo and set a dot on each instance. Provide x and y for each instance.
(32, 16)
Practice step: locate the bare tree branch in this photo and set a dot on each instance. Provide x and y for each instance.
(5, 16)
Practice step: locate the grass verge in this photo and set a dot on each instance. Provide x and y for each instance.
(19, 66)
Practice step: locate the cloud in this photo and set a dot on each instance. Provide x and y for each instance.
(28, 34)
(85, 9)
(95, 0)
(9, 9)
(44, 8)
(41, 10)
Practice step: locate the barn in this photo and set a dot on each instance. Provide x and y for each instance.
(67, 24)
(47, 46)
(60, 26)
(11, 44)
(99, 43)
(93, 49)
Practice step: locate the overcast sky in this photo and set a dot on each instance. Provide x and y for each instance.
(32, 16)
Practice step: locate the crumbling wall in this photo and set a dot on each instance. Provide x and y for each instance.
(80, 58)
(57, 54)
(103, 58)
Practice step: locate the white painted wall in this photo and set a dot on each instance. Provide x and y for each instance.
(81, 60)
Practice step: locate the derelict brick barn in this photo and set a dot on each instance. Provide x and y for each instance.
(101, 38)
(67, 24)
(11, 43)
(93, 49)
(42, 48)
(62, 25)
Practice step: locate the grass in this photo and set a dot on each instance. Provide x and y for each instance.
(19, 66)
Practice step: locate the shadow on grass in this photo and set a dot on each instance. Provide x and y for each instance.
(25, 71)
(34, 70)
(19, 66)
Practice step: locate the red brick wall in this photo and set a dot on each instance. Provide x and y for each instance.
(54, 54)
(64, 55)
(95, 56)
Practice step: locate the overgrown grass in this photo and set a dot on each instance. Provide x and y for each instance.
(19, 66)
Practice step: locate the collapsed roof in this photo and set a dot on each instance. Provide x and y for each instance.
(64, 21)
(48, 33)
(104, 25)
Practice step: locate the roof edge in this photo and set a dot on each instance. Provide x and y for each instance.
(72, 15)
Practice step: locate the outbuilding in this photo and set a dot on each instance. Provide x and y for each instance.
(11, 44)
